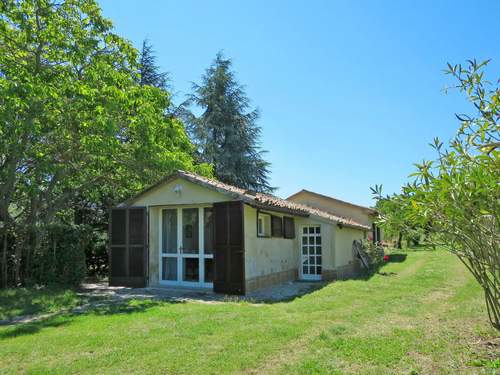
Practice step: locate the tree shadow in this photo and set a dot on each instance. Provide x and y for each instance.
(110, 307)
(302, 288)
(419, 247)
(22, 329)
(397, 258)
(377, 269)
(30, 301)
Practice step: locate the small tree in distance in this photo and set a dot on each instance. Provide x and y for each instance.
(458, 195)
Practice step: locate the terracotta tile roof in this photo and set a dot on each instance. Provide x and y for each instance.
(369, 210)
(255, 199)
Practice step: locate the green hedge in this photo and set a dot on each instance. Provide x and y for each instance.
(61, 258)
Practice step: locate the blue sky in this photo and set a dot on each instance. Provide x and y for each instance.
(350, 92)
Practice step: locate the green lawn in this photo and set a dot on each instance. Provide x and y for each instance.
(423, 315)
(21, 301)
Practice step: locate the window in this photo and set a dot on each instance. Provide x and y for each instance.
(276, 226)
(263, 225)
(288, 227)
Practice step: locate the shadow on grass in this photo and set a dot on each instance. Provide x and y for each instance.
(34, 327)
(65, 318)
(397, 258)
(309, 287)
(420, 247)
(378, 268)
(30, 301)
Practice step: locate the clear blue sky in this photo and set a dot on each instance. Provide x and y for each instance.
(350, 92)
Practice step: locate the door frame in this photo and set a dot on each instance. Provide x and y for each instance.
(311, 277)
(201, 256)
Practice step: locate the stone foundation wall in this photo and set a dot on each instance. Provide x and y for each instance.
(348, 271)
(271, 279)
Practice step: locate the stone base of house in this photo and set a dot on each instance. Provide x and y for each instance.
(348, 271)
(271, 279)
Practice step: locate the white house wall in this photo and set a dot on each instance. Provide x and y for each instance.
(345, 263)
(268, 260)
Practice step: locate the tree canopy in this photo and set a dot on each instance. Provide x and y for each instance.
(226, 133)
(149, 72)
(74, 121)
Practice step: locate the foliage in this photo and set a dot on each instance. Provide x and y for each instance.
(61, 258)
(373, 251)
(96, 254)
(394, 218)
(226, 133)
(411, 316)
(457, 195)
(149, 72)
(76, 128)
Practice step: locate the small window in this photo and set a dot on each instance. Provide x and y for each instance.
(276, 226)
(263, 225)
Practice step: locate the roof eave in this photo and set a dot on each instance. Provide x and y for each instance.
(267, 207)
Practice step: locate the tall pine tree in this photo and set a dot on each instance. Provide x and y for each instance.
(226, 132)
(149, 72)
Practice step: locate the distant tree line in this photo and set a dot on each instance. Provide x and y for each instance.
(86, 120)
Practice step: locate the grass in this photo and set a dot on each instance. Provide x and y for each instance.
(22, 301)
(424, 314)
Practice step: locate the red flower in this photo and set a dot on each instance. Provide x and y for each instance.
(386, 258)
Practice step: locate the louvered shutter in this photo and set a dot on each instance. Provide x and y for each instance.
(289, 227)
(128, 247)
(229, 248)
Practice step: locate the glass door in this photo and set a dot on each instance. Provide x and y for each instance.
(186, 246)
(311, 253)
(169, 246)
(190, 246)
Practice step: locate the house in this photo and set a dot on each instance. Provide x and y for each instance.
(361, 214)
(191, 231)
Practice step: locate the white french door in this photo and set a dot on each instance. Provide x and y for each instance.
(186, 246)
(311, 253)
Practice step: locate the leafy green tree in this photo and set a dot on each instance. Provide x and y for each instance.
(458, 195)
(226, 133)
(74, 122)
(394, 218)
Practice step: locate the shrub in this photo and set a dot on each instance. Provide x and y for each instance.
(61, 257)
(369, 251)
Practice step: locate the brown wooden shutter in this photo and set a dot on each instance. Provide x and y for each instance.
(276, 226)
(128, 247)
(229, 248)
(289, 227)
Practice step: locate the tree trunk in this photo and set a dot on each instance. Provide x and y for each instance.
(4, 258)
(400, 240)
(17, 258)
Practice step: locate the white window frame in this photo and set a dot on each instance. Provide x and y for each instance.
(265, 218)
(308, 276)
